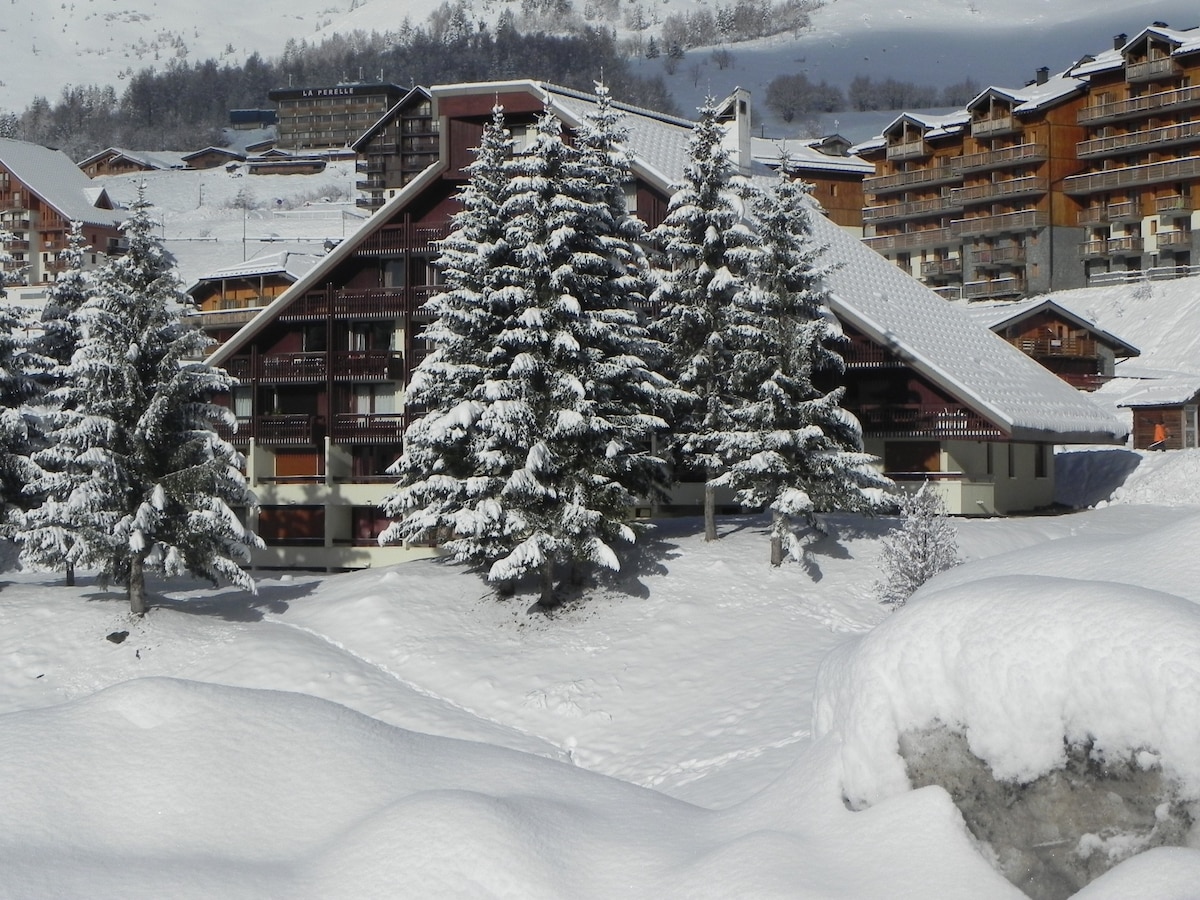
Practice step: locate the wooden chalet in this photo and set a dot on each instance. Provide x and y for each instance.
(1170, 402)
(1071, 346)
(320, 406)
(41, 193)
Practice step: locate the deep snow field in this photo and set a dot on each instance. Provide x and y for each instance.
(689, 731)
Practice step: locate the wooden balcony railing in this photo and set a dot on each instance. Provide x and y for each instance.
(1002, 223)
(907, 150)
(1179, 98)
(898, 181)
(929, 237)
(993, 126)
(1007, 156)
(1173, 239)
(377, 303)
(1176, 204)
(917, 420)
(314, 368)
(1011, 187)
(1165, 136)
(368, 428)
(1012, 255)
(1124, 246)
(405, 236)
(1040, 348)
(289, 430)
(1151, 69)
(952, 266)
(993, 287)
(911, 209)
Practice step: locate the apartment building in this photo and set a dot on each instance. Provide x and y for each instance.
(323, 118)
(967, 202)
(394, 150)
(323, 367)
(42, 192)
(1074, 179)
(1139, 189)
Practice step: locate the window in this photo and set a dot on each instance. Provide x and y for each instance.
(912, 458)
(1012, 460)
(290, 526)
(1041, 464)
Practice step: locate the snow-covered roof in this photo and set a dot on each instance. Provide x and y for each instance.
(1035, 96)
(224, 151)
(945, 344)
(60, 183)
(285, 262)
(1009, 312)
(891, 307)
(150, 159)
(802, 156)
(1170, 390)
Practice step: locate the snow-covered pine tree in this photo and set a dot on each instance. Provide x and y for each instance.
(791, 447)
(549, 420)
(924, 545)
(19, 388)
(46, 531)
(709, 247)
(154, 486)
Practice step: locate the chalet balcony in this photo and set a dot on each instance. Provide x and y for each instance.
(864, 354)
(947, 291)
(1150, 139)
(911, 240)
(952, 266)
(1002, 223)
(393, 240)
(1044, 348)
(907, 150)
(223, 318)
(373, 183)
(1097, 247)
(995, 125)
(368, 428)
(1180, 98)
(998, 159)
(1000, 257)
(1124, 246)
(1030, 185)
(911, 209)
(895, 420)
(1174, 240)
(1152, 70)
(289, 430)
(991, 288)
(901, 181)
(360, 366)
(1174, 205)
(377, 303)
(370, 166)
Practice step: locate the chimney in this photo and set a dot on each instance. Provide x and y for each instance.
(1119, 41)
(738, 129)
(1043, 75)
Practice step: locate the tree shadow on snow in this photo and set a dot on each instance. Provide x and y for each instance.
(234, 605)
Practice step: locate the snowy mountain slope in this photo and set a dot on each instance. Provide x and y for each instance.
(49, 46)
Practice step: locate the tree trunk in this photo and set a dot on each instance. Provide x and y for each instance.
(710, 508)
(69, 576)
(137, 585)
(776, 539)
(547, 599)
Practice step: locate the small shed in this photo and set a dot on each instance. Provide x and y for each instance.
(1171, 401)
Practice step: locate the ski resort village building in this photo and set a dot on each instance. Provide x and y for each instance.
(1083, 177)
(323, 367)
(41, 193)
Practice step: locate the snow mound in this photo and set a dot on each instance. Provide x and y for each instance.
(1022, 666)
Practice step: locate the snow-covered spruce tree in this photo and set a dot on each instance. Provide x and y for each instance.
(708, 247)
(791, 447)
(19, 389)
(151, 484)
(924, 545)
(549, 434)
(45, 527)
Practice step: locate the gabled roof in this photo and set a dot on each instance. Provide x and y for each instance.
(936, 339)
(998, 315)
(57, 181)
(288, 263)
(365, 137)
(1170, 390)
(1034, 97)
(148, 159)
(802, 156)
(1182, 41)
(220, 151)
(932, 125)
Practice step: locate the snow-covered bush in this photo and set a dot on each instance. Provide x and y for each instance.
(1060, 715)
(925, 544)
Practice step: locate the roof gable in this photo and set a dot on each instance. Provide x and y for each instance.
(56, 180)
